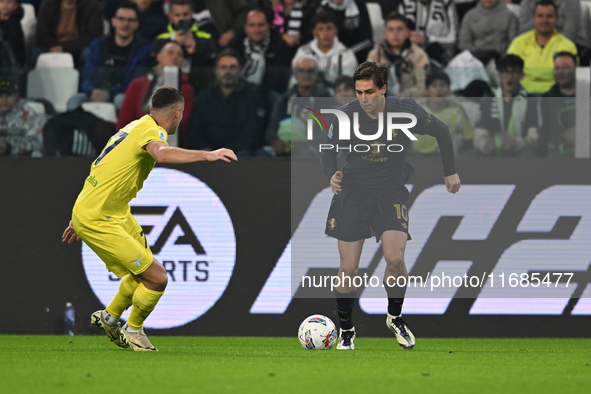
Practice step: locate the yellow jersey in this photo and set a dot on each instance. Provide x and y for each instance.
(119, 172)
(538, 61)
(454, 116)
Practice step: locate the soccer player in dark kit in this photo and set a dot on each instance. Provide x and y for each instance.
(370, 192)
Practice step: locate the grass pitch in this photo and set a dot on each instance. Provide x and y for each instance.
(92, 364)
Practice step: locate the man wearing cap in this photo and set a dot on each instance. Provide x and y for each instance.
(20, 125)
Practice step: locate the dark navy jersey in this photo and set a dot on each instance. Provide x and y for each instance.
(383, 166)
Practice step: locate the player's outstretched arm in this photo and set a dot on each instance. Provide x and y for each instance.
(165, 154)
(452, 183)
(69, 234)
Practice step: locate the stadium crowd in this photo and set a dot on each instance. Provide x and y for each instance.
(241, 64)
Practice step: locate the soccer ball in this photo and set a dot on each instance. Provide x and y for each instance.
(317, 332)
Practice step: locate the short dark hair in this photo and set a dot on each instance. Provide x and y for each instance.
(371, 70)
(228, 52)
(159, 44)
(510, 62)
(565, 54)
(437, 75)
(165, 96)
(268, 18)
(324, 17)
(344, 80)
(395, 16)
(129, 5)
(190, 3)
(545, 3)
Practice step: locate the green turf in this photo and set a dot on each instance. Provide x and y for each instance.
(91, 364)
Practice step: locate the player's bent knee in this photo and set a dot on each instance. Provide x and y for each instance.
(347, 271)
(394, 260)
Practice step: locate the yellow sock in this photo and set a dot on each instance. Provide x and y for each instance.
(144, 302)
(123, 298)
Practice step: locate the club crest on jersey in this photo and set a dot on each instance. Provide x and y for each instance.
(162, 136)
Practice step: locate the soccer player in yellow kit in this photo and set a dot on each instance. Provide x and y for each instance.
(101, 216)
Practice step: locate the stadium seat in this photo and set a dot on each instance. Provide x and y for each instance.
(56, 85)
(29, 24)
(377, 21)
(514, 8)
(105, 111)
(37, 106)
(586, 18)
(55, 60)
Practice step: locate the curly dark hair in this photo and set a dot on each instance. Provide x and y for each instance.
(371, 70)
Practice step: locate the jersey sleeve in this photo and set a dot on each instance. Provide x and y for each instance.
(428, 124)
(151, 134)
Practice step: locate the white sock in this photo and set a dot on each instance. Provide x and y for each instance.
(110, 320)
(130, 329)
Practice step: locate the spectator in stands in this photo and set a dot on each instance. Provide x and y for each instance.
(279, 133)
(507, 124)
(352, 21)
(204, 20)
(231, 111)
(11, 14)
(489, 27)
(199, 47)
(288, 18)
(344, 90)
(557, 134)
(152, 20)
(67, 26)
(449, 112)
(434, 26)
(229, 17)
(20, 126)
(7, 58)
(113, 61)
(333, 57)
(536, 48)
(405, 60)
(570, 21)
(266, 56)
(139, 92)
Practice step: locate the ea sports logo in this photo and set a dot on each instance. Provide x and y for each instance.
(191, 234)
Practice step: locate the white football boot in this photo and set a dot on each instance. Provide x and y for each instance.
(346, 339)
(400, 329)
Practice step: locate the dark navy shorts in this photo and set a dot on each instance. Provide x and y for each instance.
(356, 215)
